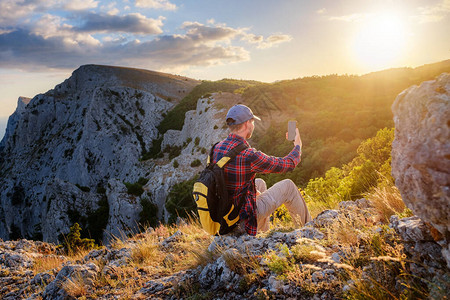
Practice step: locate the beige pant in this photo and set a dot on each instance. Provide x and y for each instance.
(283, 192)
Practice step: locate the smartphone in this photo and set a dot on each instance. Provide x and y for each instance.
(292, 125)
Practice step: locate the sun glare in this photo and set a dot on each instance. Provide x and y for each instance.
(380, 41)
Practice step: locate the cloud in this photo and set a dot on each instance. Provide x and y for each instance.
(40, 39)
(198, 31)
(349, 18)
(200, 45)
(263, 43)
(434, 13)
(13, 11)
(156, 4)
(321, 11)
(131, 23)
(75, 5)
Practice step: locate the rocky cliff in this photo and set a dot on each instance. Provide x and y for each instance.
(67, 153)
(421, 152)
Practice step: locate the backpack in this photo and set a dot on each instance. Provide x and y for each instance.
(217, 213)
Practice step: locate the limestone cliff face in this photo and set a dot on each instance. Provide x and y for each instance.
(70, 148)
(421, 153)
(421, 150)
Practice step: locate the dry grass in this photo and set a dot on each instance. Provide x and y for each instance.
(124, 281)
(47, 263)
(187, 250)
(345, 231)
(378, 270)
(306, 253)
(301, 276)
(387, 201)
(242, 264)
(146, 253)
(75, 286)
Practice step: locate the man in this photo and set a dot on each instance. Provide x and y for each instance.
(259, 202)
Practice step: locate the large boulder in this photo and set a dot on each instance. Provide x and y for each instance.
(421, 150)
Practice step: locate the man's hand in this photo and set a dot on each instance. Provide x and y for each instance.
(297, 140)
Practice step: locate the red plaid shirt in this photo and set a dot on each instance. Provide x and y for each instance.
(240, 174)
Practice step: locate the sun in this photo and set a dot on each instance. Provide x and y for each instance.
(380, 42)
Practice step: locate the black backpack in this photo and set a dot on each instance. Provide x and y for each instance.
(217, 213)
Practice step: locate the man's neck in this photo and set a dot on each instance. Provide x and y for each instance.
(240, 134)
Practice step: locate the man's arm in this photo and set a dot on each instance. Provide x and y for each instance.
(263, 163)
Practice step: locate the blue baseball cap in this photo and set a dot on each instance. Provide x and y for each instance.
(239, 114)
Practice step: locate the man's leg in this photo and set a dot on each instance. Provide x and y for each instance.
(261, 187)
(283, 192)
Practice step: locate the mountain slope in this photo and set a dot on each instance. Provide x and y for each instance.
(63, 146)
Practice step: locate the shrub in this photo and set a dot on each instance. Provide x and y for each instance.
(196, 141)
(155, 150)
(180, 202)
(196, 163)
(142, 181)
(175, 164)
(173, 151)
(148, 215)
(366, 171)
(98, 219)
(18, 195)
(83, 188)
(73, 243)
(134, 188)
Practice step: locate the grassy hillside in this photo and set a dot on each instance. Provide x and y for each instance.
(334, 114)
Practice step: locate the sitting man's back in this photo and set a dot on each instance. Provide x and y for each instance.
(259, 202)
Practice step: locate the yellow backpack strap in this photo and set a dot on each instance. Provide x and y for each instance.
(231, 155)
(210, 156)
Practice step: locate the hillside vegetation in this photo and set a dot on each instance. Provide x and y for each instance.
(346, 128)
(334, 114)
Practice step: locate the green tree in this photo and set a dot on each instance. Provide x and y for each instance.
(180, 202)
(370, 168)
(73, 243)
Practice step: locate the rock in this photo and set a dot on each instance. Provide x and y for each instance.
(421, 150)
(446, 254)
(118, 258)
(347, 205)
(326, 218)
(217, 274)
(177, 236)
(311, 233)
(55, 290)
(336, 257)
(42, 279)
(124, 210)
(363, 203)
(275, 285)
(412, 229)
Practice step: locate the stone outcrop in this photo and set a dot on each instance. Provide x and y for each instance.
(421, 153)
(68, 150)
(421, 150)
(239, 266)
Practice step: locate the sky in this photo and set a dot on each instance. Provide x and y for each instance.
(43, 41)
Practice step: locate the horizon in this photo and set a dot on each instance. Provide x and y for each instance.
(43, 42)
